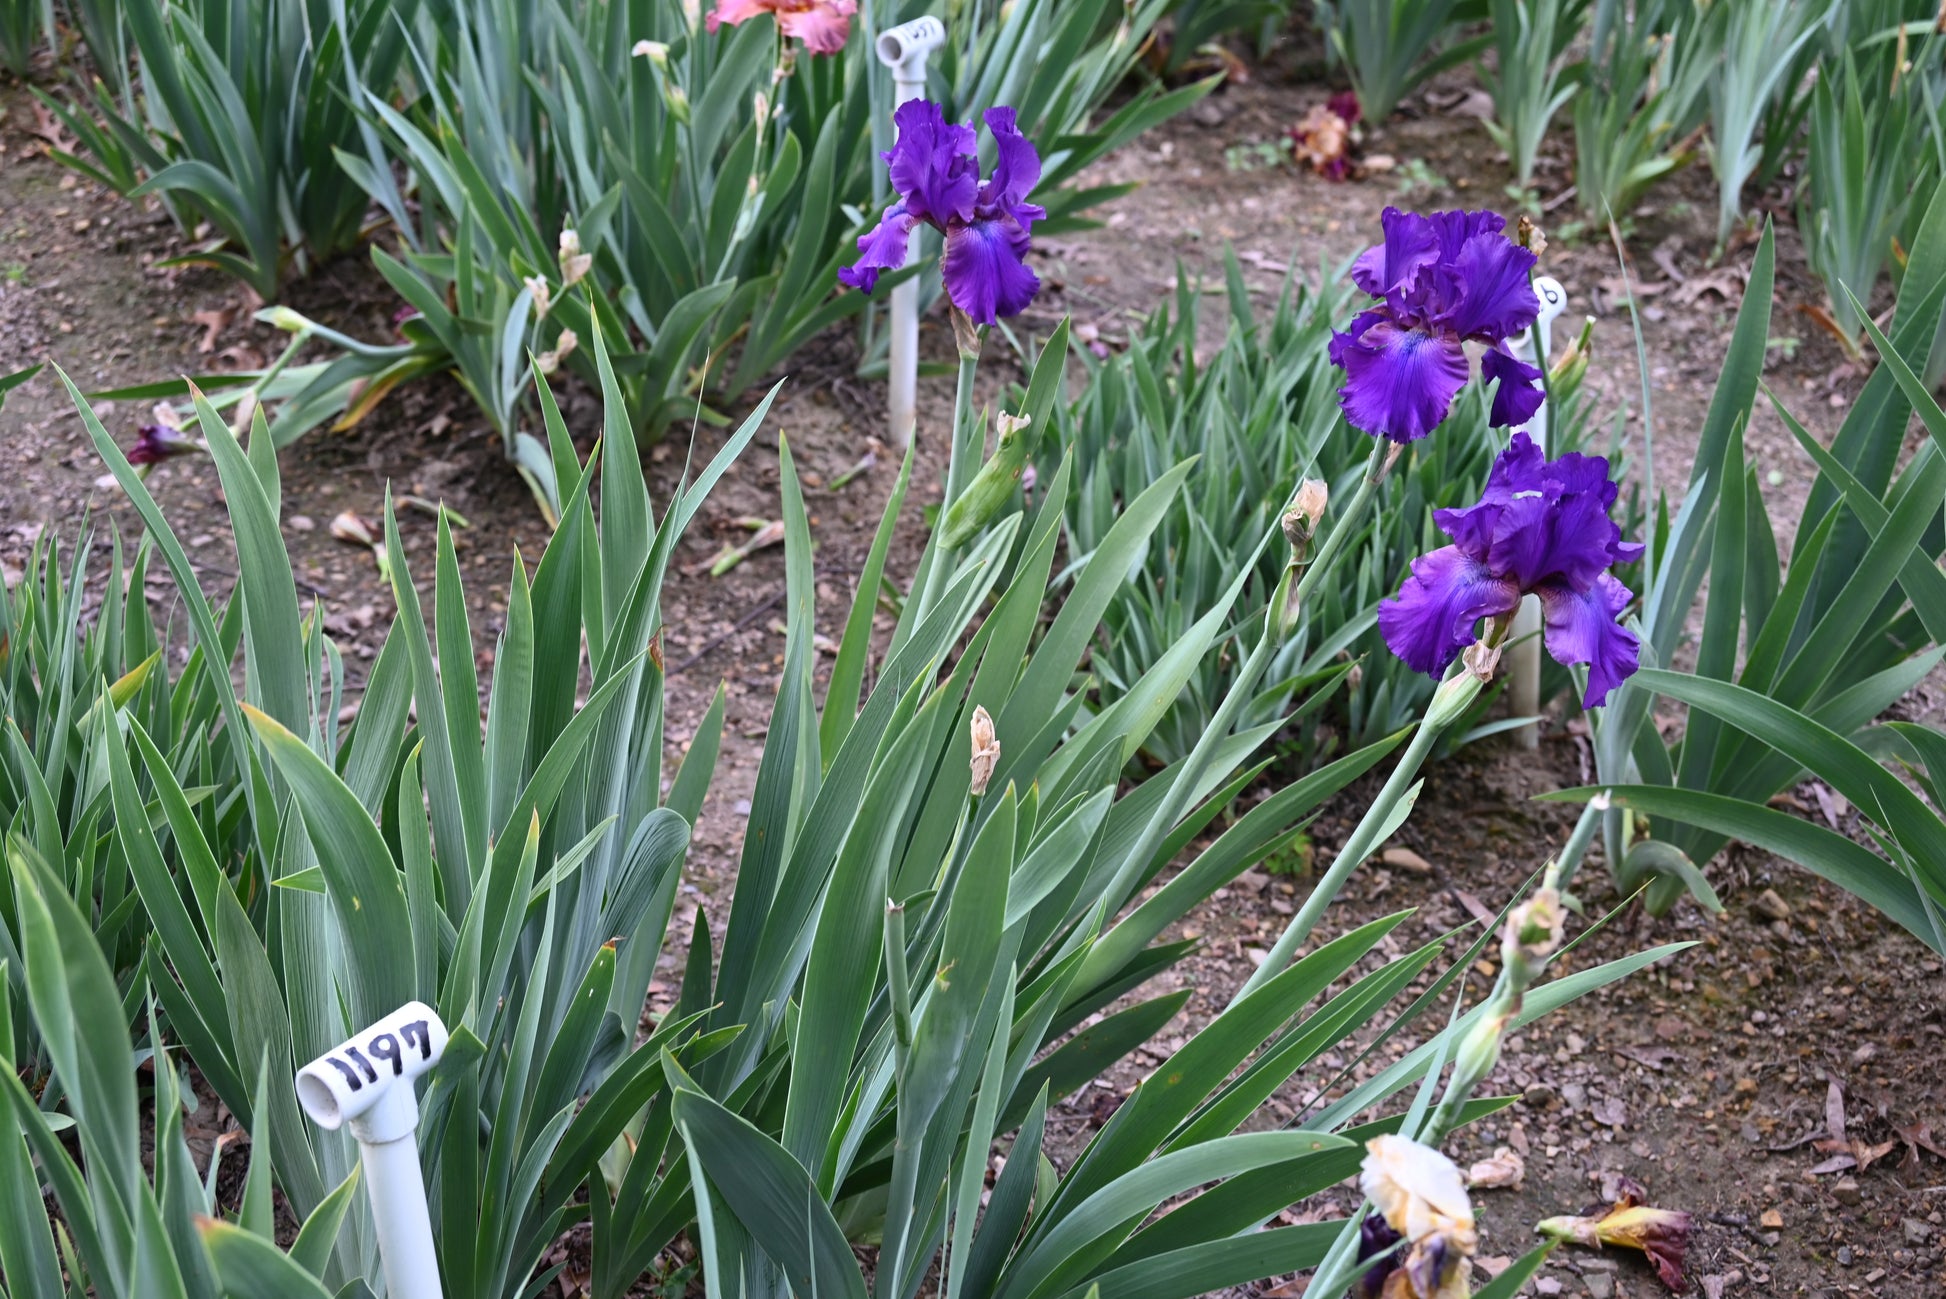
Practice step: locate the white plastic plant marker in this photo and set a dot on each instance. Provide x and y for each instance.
(367, 1083)
(904, 49)
(1524, 663)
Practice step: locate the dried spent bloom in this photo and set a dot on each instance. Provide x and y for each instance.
(574, 262)
(1536, 926)
(1481, 659)
(1441, 281)
(1529, 235)
(353, 530)
(1541, 526)
(1421, 1195)
(655, 52)
(550, 361)
(1419, 1191)
(155, 443)
(543, 296)
(1307, 510)
(1322, 141)
(1662, 1234)
(936, 171)
(823, 25)
(986, 750)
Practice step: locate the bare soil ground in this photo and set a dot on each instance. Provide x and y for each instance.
(1709, 1078)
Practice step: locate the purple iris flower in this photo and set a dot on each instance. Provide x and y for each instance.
(1442, 280)
(155, 443)
(1375, 1236)
(1542, 526)
(936, 170)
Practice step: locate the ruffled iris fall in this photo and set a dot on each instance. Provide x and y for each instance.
(1441, 281)
(935, 169)
(1541, 527)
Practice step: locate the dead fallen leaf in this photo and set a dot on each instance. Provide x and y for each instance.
(1845, 1152)
(1919, 1137)
(1654, 1057)
(1474, 907)
(1726, 282)
(1617, 287)
(48, 127)
(214, 322)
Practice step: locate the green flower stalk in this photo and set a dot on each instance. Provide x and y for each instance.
(1450, 702)
(1308, 502)
(969, 338)
(1533, 933)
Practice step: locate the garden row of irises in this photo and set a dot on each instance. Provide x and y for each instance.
(948, 900)
(683, 175)
(262, 923)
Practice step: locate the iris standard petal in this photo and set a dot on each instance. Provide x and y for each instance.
(1581, 628)
(1491, 295)
(1432, 617)
(1399, 383)
(933, 163)
(882, 248)
(1016, 170)
(1393, 265)
(985, 271)
(823, 25)
(1519, 393)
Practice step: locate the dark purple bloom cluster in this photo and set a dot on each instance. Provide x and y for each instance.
(1441, 281)
(1542, 526)
(155, 443)
(936, 170)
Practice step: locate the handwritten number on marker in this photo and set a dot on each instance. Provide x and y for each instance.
(386, 1047)
(420, 1029)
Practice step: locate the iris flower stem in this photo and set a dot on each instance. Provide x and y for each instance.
(1582, 835)
(1113, 949)
(957, 474)
(1376, 821)
(897, 983)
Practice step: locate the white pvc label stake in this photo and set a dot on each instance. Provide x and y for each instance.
(366, 1083)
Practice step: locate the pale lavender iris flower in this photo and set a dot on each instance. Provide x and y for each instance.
(1441, 281)
(1542, 527)
(935, 169)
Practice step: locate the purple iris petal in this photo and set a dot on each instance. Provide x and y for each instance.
(1541, 526)
(986, 225)
(933, 163)
(1399, 382)
(1519, 394)
(1431, 619)
(1375, 1236)
(1410, 245)
(1016, 171)
(1493, 293)
(882, 248)
(1442, 279)
(983, 269)
(155, 443)
(1581, 628)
